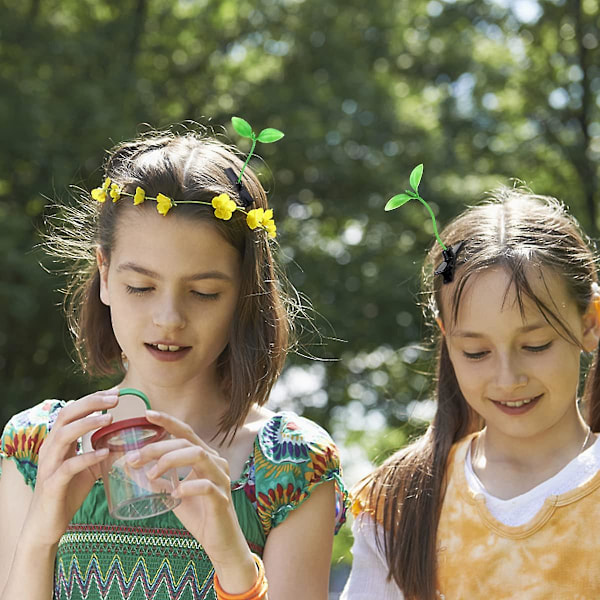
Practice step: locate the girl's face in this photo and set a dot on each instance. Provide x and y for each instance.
(515, 370)
(172, 286)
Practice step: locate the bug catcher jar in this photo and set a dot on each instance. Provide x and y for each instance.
(130, 493)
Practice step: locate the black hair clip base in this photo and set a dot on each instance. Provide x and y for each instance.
(245, 197)
(447, 266)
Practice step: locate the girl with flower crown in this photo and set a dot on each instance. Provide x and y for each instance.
(174, 291)
(500, 497)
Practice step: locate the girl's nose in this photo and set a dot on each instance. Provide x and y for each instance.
(168, 315)
(509, 374)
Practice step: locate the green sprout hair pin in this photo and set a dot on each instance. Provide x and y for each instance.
(223, 205)
(447, 266)
(266, 136)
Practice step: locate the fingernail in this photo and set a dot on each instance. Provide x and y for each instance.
(110, 400)
(133, 457)
(102, 452)
(176, 493)
(152, 413)
(152, 473)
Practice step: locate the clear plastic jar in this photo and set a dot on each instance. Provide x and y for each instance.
(129, 491)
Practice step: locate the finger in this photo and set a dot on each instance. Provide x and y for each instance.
(73, 466)
(199, 487)
(177, 428)
(203, 464)
(155, 450)
(61, 440)
(98, 401)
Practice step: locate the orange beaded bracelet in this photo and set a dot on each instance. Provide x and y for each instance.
(257, 592)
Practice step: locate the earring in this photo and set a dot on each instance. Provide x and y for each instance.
(124, 361)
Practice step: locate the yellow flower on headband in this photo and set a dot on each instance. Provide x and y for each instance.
(163, 204)
(99, 194)
(255, 217)
(271, 228)
(269, 224)
(259, 217)
(115, 191)
(224, 206)
(139, 197)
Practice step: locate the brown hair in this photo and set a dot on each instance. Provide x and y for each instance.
(518, 231)
(187, 166)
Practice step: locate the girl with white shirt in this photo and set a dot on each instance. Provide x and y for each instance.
(501, 496)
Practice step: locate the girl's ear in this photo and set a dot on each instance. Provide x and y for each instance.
(591, 324)
(102, 261)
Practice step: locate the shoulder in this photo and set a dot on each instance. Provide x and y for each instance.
(287, 437)
(292, 456)
(365, 498)
(369, 495)
(24, 434)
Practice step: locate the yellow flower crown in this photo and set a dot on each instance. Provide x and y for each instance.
(224, 206)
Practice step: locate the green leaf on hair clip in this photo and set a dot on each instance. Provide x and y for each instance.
(415, 177)
(266, 136)
(269, 135)
(401, 199)
(397, 200)
(242, 127)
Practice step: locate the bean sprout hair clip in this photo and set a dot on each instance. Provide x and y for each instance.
(266, 136)
(449, 254)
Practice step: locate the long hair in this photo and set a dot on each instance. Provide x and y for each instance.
(521, 233)
(187, 166)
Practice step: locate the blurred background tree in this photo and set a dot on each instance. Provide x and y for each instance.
(480, 92)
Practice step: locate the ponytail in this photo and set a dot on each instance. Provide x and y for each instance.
(410, 488)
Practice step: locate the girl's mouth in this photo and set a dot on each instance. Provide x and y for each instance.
(517, 407)
(167, 348)
(167, 352)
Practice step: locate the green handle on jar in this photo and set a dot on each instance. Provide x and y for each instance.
(133, 392)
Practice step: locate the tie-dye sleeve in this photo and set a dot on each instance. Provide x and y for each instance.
(25, 433)
(292, 456)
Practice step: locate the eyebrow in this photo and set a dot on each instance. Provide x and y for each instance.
(130, 266)
(472, 334)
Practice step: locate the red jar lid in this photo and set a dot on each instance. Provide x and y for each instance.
(156, 432)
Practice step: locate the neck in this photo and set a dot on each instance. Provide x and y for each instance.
(547, 451)
(200, 402)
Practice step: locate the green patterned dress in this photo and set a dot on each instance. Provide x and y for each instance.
(100, 558)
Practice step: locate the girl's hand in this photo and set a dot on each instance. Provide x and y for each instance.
(206, 509)
(64, 478)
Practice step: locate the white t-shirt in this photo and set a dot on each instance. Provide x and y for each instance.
(520, 509)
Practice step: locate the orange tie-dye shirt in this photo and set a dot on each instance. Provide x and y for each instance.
(554, 556)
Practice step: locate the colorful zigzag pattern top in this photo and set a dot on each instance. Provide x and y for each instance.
(100, 558)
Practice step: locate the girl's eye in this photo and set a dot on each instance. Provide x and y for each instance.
(137, 290)
(202, 296)
(475, 355)
(537, 348)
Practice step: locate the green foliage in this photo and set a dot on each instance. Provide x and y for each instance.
(477, 91)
